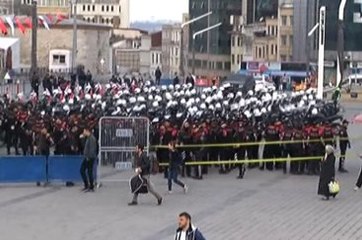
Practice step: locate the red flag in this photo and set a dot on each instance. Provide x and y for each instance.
(20, 25)
(50, 18)
(3, 28)
(28, 23)
(60, 17)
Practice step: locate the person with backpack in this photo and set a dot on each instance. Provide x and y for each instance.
(174, 164)
(143, 166)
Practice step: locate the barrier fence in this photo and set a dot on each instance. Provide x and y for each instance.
(24, 169)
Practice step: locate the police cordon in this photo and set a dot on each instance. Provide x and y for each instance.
(236, 145)
(236, 162)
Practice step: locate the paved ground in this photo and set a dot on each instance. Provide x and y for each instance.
(265, 205)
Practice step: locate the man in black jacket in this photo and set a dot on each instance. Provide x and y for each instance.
(143, 166)
(90, 155)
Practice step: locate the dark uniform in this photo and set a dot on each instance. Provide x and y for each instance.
(240, 137)
(271, 150)
(343, 144)
(315, 148)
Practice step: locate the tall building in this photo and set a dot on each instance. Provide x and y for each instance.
(212, 49)
(50, 6)
(171, 49)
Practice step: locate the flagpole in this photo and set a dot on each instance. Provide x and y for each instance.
(74, 50)
(34, 39)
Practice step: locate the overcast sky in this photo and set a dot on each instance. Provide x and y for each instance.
(142, 10)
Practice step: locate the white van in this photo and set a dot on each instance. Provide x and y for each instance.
(352, 80)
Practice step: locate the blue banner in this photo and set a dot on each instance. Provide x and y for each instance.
(22, 169)
(64, 168)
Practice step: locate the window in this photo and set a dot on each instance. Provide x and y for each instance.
(107, 8)
(176, 52)
(291, 40)
(89, 8)
(263, 52)
(119, 9)
(284, 20)
(176, 61)
(83, 8)
(259, 53)
(233, 41)
(272, 49)
(239, 41)
(272, 31)
(94, 8)
(107, 20)
(237, 59)
(232, 59)
(102, 20)
(153, 58)
(102, 8)
(291, 20)
(284, 40)
(227, 65)
(276, 49)
(112, 8)
(269, 31)
(202, 5)
(267, 50)
(193, 5)
(58, 59)
(219, 65)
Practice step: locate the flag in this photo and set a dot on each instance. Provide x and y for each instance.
(50, 18)
(60, 17)
(44, 22)
(3, 28)
(11, 25)
(28, 23)
(20, 25)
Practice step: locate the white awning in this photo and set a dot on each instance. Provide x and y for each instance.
(5, 42)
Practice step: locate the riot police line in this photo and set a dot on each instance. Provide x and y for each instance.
(213, 115)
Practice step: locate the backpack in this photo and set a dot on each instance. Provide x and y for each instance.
(154, 164)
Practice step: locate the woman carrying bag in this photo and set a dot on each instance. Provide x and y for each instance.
(327, 185)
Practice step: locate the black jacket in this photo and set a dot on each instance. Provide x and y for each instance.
(144, 163)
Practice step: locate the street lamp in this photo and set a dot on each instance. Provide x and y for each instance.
(322, 37)
(182, 68)
(340, 42)
(193, 42)
(34, 39)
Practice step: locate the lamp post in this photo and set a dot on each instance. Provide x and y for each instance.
(34, 39)
(340, 43)
(193, 42)
(322, 38)
(74, 49)
(182, 68)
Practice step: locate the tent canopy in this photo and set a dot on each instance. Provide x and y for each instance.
(5, 42)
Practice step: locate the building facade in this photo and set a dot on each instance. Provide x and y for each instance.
(55, 46)
(270, 39)
(171, 50)
(113, 13)
(212, 49)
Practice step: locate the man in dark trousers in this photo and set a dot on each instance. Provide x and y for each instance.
(186, 230)
(143, 166)
(343, 144)
(90, 155)
(158, 75)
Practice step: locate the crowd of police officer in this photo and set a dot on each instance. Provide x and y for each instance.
(278, 142)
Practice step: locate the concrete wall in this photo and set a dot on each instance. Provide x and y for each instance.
(93, 45)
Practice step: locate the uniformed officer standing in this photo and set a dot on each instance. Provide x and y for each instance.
(343, 144)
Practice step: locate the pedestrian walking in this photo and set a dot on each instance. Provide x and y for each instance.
(327, 173)
(143, 166)
(90, 155)
(186, 230)
(174, 165)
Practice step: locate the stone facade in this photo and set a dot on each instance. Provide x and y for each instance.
(93, 45)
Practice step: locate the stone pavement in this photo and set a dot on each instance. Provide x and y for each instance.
(264, 205)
